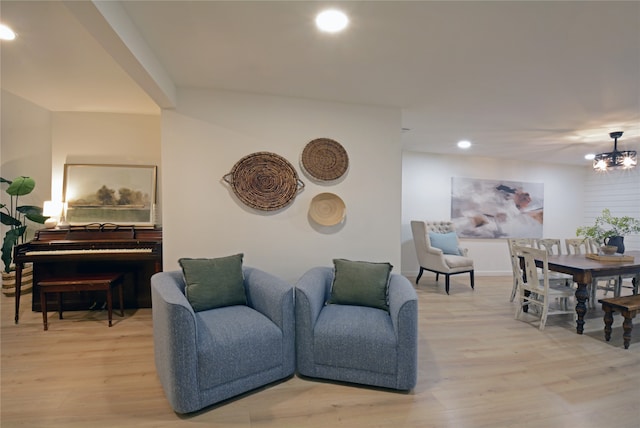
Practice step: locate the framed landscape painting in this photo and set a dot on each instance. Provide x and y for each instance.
(497, 208)
(117, 194)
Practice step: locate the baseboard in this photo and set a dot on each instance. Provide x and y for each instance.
(475, 273)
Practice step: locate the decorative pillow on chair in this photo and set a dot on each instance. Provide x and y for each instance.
(361, 284)
(447, 242)
(212, 283)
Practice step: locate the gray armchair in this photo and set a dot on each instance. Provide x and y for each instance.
(434, 259)
(356, 344)
(205, 357)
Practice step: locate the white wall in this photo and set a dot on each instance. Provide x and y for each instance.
(103, 138)
(210, 131)
(617, 190)
(37, 143)
(426, 195)
(25, 149)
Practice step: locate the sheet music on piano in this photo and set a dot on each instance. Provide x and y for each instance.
(136, 251)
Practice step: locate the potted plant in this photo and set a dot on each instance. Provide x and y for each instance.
(15, 216)
(609, 230)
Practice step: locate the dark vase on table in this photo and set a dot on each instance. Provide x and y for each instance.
(616, 241)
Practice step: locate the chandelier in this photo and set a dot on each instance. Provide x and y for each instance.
(625, 159)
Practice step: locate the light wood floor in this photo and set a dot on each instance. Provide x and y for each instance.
(478, 367)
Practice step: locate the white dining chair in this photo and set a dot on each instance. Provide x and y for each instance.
(609, 283)
(550, 245)
(536, 290)
(553, 247)
(515, 261)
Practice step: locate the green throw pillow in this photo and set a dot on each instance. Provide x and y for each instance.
(361, 284)
(212, 283)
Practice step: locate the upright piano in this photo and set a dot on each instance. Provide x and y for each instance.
(134, 251)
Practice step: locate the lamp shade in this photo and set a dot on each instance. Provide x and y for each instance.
(52, 208)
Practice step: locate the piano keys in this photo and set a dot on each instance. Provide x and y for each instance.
(136, 252)
(90, 251)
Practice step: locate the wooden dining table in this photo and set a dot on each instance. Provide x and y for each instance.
(584, 270)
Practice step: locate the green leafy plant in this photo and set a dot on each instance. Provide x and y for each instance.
(607, 226)
(15, 216)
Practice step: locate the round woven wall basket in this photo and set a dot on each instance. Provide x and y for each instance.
(325, 159)
(327, 209)
(264, 181)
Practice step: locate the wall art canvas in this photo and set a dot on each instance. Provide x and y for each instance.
(118, 194)
(497, 208)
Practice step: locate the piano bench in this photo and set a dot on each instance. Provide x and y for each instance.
(89, 282)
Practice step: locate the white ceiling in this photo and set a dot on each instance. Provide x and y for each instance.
(539, 80)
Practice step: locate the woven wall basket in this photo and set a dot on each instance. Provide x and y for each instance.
(327, 209)
(325, 159)
(264, 181)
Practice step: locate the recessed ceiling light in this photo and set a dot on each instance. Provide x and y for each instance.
(6, 33)
(590, 156)
(464, 144)
(332, 21)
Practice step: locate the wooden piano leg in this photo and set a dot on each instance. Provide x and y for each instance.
(121, 298)
(110, 304)
(18, 289)
(43, 304)
(59, 305)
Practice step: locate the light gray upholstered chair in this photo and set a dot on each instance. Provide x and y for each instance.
(356, 344)
(205, 357)
(433, 259)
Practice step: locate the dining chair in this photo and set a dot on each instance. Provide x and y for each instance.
(553, 247)
(515, 261)
(550, 245)
(540, 293)
(610, 283)
(517, 271)
(578, 246)
(621, 279)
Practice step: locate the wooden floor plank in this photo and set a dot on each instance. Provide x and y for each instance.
(478, 367)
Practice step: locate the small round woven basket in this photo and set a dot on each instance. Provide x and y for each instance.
(327, 209)
(264, 181)
(324, 159)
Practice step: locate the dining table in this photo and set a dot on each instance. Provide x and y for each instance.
(584, 270)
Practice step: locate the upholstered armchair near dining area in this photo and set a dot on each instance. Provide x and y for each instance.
(207, 355)
(438, 250)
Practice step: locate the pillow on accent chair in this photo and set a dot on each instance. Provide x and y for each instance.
(360, 283)
(447, 242)
(213, 283)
